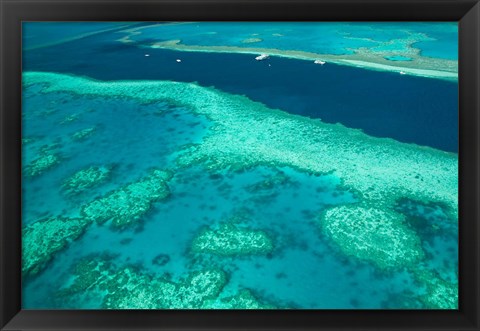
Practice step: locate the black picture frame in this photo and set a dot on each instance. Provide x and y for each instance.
(13, 12)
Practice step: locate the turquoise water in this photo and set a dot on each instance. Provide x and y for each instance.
(199, 200)
(306, 268)
(441, 49)
(441, 46)
(434, 39)
(277, 35)
(42, 34)
(324, 38)
(111, 120)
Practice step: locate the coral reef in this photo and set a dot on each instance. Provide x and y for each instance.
(246, 134)
(376, 235)
(430, 210)
(70, 119)
(128, 288)
(440, 293)
(428, 218)
(45, 237)
(252, 40)
(83, 134)
(370, 55)
(244, 299)
(270, 183)
(362, 58)
(45, 161)
(126, 205)
(230, 239)
(85, 179)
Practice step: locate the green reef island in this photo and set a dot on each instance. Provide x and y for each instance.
(189, 191)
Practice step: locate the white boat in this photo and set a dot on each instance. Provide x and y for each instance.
(178, 60)
(403, 73)
(262, 57)
(319, 62)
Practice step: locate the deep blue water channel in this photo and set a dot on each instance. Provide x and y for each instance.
(409, 109)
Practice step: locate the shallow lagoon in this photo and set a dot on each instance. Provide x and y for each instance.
(305, 269)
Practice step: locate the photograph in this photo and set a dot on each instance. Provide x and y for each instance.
(271, 165)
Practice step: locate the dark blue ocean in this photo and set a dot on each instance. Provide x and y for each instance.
(383, 104)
